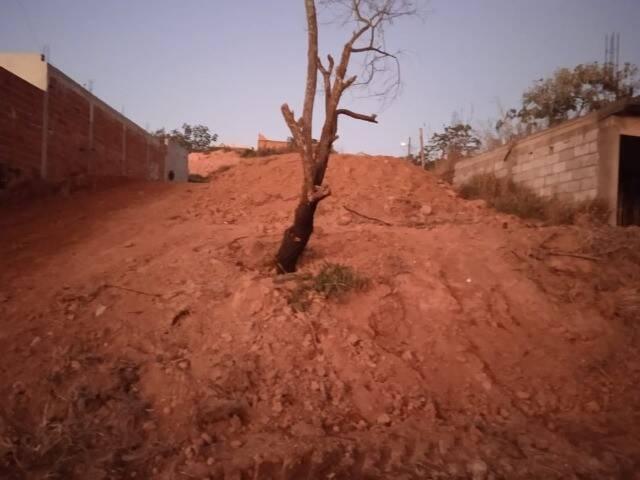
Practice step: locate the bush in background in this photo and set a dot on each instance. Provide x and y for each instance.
(509, 197)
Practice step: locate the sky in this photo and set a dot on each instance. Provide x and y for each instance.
(230, 64)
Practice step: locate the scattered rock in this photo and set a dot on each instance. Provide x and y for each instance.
(344, 220)
(426, 210)
(235, 443)
(478, 469)
(100, 310)
(383, 419)
(75, 365)
(522, 395)
(183, 364)
(276, 407)
(353, 339)
(129, 244)
(592, 406)
(304, 429)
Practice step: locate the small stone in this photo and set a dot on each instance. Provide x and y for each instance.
(183, 364)
(166, 410)
(35, 341)
(353, 339)
(592, 407)
(235, 443)
(226, 337)
(522, 395)
(426, 210)
(75, 365)
(149, 425)
(210, 461)
(361, 425)
(478, 469)
(344, 220)
(384, 419)
(315, 385)
(277, 407)
(129, 244)
(100, 310)
(206, 438)
(407, 356)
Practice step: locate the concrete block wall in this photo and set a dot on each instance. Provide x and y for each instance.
(558, 162)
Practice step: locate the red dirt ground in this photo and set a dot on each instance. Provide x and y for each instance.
(143, 335)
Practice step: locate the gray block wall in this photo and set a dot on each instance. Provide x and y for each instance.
(561, 161)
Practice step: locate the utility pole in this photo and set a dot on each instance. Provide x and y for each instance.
(409, 149)
(421, 147)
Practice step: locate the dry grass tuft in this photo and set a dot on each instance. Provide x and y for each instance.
(509, 197)
(85, 432)
(332, 281)
(628, 304)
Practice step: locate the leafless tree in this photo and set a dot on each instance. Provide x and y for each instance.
(367, 41)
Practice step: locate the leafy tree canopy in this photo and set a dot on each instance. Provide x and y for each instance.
(570, 93)
(457, 140)
(194, 138)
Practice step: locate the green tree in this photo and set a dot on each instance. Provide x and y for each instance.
(194, 138)
(456, 141)
(570, 93)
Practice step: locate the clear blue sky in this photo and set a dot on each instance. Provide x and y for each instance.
(230, 64)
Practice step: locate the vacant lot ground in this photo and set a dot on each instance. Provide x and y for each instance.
(143, 335)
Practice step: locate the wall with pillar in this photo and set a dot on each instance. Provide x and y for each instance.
(61, 132)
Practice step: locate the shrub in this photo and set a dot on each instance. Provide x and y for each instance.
(197, 178)
(509, 197)
(332, 281)
(252, 152)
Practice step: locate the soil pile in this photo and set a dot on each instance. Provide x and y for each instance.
(144, 335)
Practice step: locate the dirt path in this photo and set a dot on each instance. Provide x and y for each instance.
(143, 335)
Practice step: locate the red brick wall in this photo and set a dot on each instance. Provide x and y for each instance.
(110, 145)
(68, 141)
(136, 150)
(107, 149)
(20, 124)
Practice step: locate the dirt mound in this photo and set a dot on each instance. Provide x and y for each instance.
(144, 335)
(204, 164)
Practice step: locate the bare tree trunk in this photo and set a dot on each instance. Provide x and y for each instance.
(421, 148)
(315, 158)
(296, 237)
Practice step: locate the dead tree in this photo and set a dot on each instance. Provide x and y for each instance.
(367, 41)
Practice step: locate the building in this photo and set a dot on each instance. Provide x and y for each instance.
(53, 129)
(274, 145)
(594, 156)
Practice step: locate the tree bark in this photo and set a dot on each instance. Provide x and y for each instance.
(296, 237)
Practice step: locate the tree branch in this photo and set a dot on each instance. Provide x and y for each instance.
(357, 116)
(297, 130)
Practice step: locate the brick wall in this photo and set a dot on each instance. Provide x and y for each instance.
(266, 144)
(100, 140)
(560, 161)
(20, 125)
(84, 136)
